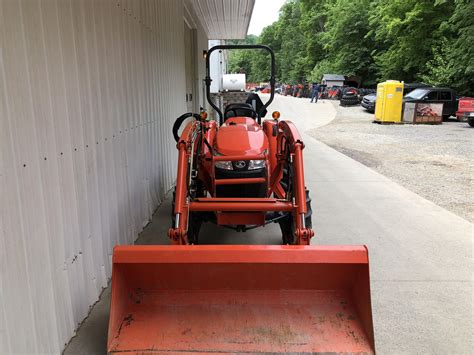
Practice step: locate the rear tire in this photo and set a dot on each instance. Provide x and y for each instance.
(349, 99)
(470, 122)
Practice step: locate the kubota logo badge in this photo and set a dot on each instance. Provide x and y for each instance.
(240, 164)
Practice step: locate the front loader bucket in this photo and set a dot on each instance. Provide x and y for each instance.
(240, 299)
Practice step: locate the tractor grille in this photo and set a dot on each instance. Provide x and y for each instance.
(247, 190)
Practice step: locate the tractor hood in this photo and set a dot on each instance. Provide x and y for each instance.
(241, 138)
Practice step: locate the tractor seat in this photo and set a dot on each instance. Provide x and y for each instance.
(239, 110)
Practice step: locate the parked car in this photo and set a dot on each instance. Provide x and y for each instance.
(368, 102)
(434, 95)
(409, 87)
(465, 110)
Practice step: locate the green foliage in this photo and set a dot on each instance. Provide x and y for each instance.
(438, 70)
(374, 40)
(291, 39)
(324, 66)
(347, 45)
(408, 30)
(459, 52)
(241, 61)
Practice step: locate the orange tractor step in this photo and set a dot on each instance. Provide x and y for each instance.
(240, 299)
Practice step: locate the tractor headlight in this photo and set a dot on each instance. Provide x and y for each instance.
(224, 164)
(256, 164)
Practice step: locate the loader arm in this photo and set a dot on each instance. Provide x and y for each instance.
(186, 145)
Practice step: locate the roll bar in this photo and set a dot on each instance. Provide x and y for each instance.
(208, 79)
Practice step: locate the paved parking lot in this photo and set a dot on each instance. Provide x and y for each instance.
(435, 161)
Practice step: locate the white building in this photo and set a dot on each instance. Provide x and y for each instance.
(89, 91)
(333, 80)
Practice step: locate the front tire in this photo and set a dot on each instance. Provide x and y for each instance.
(194, 222)
(287, 224)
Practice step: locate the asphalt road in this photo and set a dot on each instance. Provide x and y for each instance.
(420, 254)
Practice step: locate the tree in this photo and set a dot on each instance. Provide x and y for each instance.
(452, 62)
(240, 61)
(313, 25)
(290, 43)
(407, 31)
(347, 45)
(460, 54)
(375, 40)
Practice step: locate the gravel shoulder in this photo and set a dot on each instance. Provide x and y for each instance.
(435, 161)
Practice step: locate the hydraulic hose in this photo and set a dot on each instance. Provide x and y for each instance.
(179, 121)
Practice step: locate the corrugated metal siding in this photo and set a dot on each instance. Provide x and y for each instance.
(88, 93)
(201, 44)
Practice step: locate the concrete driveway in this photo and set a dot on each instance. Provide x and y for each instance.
(420, 254)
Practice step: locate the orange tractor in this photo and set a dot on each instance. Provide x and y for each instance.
(240, 172)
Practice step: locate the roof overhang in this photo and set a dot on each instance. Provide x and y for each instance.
(224, 19)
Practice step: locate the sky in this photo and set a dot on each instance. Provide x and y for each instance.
(265, 13)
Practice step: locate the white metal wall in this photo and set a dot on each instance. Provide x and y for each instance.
(88, 93)
(201, 44)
